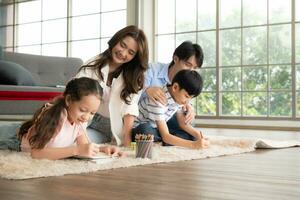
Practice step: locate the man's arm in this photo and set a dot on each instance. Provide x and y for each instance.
(153, 91)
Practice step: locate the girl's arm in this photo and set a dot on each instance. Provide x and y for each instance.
(54, 153)
(82, 139)
(83, 148)
(109, 150)
(127, 128)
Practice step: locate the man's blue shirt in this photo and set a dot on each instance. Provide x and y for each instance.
(157, 75)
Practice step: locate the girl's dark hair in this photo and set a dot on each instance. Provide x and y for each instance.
(133, 71)
(189, 80)
(187, 49)
(46, 119)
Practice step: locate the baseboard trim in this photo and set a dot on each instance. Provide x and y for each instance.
(200, 123)
(253, 127)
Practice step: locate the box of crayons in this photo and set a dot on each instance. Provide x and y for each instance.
(144, 145)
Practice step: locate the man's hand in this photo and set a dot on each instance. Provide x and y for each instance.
(156, 94)
(190, 113)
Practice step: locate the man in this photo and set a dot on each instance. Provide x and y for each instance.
(186, 56)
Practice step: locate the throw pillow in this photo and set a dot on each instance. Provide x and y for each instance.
(14, 74)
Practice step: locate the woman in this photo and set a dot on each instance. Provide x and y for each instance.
(120, 71)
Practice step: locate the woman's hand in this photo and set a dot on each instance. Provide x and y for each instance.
(156, 94)
(127, 140)
(128, 121)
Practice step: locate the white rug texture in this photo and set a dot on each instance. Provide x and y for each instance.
(19, 165)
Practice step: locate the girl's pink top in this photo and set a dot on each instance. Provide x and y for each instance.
(65, 134)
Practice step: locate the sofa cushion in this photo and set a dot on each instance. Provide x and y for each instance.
(46, 70)
(1, 53)
(14, 74)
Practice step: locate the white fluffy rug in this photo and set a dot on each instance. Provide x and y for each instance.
(19, 165)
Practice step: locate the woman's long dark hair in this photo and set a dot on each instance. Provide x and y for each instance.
(133, 71)
(47, 118)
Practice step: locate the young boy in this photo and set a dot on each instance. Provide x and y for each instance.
(153, 116)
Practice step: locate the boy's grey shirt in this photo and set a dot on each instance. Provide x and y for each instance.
(150, 111)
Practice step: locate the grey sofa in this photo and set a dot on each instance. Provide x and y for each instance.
(41, 78)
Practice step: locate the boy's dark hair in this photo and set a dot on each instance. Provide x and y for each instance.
(187, 49)
(189, 80)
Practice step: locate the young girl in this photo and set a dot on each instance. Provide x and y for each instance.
(57, 126)
(120, 72)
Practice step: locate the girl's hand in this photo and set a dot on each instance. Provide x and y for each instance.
(89, 149)
(112, 150)
(157, 95)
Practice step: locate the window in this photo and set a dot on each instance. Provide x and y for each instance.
(75, 28)
(250, 56)
(6, 25)
(297, 54)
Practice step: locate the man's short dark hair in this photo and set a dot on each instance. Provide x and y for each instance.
(187, 49)
(189, 80)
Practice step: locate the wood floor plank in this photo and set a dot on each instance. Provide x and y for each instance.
(263, 174)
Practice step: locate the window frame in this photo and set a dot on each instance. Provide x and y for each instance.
(218, 91)
(67, 41)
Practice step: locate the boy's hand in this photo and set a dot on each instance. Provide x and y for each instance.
(157, 95)
(199, 135)
(200, 143)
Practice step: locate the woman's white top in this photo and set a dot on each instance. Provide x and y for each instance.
(117, 107)
(104, 105)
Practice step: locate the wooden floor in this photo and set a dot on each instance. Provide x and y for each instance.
(264, 174)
